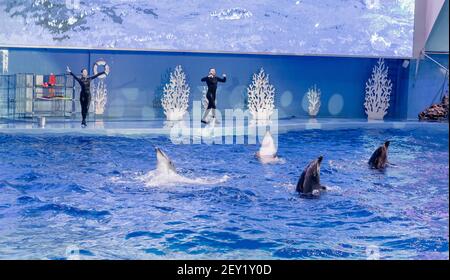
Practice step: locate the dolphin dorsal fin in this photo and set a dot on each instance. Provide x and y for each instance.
(268, 147)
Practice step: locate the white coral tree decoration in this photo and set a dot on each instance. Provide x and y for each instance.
(378, 92)
(175, 100)
(261, 96)
(100, 97)
(313, 95)
(205, 101)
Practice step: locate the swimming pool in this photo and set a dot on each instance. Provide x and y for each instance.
(61, 194)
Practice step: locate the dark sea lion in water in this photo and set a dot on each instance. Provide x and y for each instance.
(378, 160)
(309, 183)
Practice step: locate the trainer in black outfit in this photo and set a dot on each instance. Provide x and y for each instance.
(211, 81)
(85, 93)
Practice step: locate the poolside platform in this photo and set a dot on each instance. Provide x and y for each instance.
(162, 127)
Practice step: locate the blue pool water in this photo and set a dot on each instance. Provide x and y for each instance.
(66, 194)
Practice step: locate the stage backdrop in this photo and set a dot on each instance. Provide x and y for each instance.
(137, 79)
(311, 27)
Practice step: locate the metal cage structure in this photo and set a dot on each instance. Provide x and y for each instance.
(27, 95)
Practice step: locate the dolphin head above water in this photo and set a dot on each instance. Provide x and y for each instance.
(164, 164)
(316, 165)
(319, 160)
(268, 148)
(309, 181)
(379, 160)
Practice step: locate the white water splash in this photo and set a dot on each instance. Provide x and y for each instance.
(231, 14)
(271, 160)
(155, 178)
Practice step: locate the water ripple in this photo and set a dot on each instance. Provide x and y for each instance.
(82, 192)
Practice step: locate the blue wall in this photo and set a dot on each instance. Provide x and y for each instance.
(438, 39)
(429, 81)
(425, 87)
(136, 79)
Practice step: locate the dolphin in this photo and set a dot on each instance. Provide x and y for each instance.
(268, 151)
(378, 160)
(164, 164)
(166, 174)
(309, 183)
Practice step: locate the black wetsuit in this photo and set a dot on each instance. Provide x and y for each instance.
(85, 93)
(212, 87)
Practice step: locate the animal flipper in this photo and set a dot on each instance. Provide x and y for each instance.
(300, 182)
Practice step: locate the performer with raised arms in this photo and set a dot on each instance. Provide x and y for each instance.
(85, 93)
(211, 81)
